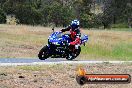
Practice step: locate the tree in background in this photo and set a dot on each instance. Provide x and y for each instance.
(82, 11)
(24, 10)
(2, 16)
(44, 12)
(2, 2)
(116, 11)
(128, 13)
(57, 13)
(61, 12)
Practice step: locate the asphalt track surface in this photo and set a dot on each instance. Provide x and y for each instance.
(36, 61)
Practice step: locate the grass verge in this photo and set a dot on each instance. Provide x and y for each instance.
(25, 41)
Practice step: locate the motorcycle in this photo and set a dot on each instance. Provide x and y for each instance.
(57, 47)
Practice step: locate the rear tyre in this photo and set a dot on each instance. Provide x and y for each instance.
(77, 51)
(74, 54)
(44, 53)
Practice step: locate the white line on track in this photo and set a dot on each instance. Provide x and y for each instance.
(63, 62)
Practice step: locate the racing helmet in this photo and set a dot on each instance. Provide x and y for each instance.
(75, 24)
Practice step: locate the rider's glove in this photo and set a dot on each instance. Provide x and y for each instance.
(60, 31)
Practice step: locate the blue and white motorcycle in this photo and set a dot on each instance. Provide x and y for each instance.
(57, 47)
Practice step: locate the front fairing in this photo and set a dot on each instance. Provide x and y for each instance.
(57, 38)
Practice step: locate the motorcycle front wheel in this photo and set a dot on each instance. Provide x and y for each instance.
(44, 53)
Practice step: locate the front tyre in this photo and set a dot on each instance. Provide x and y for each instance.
(44, 53)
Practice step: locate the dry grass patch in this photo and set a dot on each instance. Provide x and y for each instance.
(26, 41)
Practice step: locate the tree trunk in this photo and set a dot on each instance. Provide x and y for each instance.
(130, 22)
(114, 20)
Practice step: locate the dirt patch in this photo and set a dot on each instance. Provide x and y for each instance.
(59, 76)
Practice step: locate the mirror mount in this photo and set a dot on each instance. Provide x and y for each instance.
(53, 29)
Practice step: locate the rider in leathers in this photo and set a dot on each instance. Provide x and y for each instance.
(74, 34)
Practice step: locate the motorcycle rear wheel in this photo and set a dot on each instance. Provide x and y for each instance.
(74, 54)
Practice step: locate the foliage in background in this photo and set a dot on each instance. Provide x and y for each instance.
(61, 12)
(117, 11)
(2, 16)
(56, 14)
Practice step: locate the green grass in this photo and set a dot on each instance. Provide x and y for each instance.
(121, 25)
(122, 29)
(121, 51)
